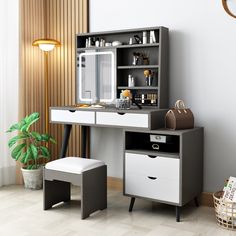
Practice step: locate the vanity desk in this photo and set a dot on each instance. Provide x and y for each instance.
(158, 164)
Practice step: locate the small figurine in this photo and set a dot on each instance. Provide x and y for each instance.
(148, 76)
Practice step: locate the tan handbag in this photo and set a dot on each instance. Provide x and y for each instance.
(179, 117)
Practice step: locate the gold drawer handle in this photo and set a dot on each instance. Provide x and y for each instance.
(155, 146)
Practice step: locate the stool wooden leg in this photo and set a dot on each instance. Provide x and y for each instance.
(93, 191)
(54, 192)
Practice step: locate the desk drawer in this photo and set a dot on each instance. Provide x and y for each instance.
(70, 116)
(122, 119)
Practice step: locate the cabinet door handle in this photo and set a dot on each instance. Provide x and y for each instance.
(155, 146)
(152, 178)
(151, 156)
(120, 113)
(71, 110)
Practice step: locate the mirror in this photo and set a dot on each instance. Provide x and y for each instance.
(230, 7)
(96, 77)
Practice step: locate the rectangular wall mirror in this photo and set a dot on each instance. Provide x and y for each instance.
(95, 79)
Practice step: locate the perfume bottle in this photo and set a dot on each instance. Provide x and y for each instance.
(130, 81)
(144, 37)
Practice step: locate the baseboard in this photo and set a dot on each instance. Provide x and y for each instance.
(113, 183)
(206, 199)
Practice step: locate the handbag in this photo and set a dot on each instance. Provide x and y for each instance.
(179, 117)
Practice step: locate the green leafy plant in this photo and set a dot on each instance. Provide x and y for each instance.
(29, 146)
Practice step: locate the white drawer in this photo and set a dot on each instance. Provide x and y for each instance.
(159, 189)
(159, 138)
(84, 117)
(122, 119)
(161, 167)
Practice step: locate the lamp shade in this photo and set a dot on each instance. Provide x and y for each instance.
(46, 44)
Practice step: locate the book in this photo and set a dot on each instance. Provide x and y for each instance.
(230, 190)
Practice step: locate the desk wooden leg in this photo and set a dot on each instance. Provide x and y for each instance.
(84, 130)
(177, 213)
(65, 141)
(132, 200)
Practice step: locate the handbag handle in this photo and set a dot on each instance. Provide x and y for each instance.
(179, 104)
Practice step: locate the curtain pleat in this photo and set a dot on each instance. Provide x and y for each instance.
(60, 20)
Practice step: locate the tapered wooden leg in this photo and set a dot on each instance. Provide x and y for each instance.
(84, 144)
(65, 141)
(132, 200)
(177, 213)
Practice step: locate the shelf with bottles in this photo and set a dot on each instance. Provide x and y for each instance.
(138, 57)
(141, 78)
(123, 46)
(122, 38)
(141, 97)
(145, 98)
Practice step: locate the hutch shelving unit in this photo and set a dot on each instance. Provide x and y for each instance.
(156, 93)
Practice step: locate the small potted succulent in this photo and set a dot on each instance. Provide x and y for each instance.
(30, 148)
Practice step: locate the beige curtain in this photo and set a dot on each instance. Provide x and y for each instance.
(60, 20)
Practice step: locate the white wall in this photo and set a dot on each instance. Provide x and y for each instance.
(202, 67)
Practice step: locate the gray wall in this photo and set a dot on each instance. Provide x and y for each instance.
(202, 71)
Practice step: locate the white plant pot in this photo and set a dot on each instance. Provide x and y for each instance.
(33, 179)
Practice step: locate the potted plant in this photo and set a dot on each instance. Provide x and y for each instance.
(30, 148)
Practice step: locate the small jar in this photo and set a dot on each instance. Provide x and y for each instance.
(97, 42)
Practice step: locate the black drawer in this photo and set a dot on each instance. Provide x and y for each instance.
(142, 141)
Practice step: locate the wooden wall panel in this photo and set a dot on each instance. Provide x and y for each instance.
(60, 20)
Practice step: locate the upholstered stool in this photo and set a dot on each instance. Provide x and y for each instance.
(90, 174)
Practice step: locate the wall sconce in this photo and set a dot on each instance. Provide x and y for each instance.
(46, 45)
(229, 6)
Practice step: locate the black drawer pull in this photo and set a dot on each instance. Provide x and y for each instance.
(152, 156)
(120, 113)
(71, 110)
(152, 178)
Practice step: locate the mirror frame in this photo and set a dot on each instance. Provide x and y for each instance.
(225, 5)
(112, 99)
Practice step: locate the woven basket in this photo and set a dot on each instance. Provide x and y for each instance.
(225, 211)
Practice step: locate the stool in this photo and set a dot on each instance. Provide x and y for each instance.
(90, 174)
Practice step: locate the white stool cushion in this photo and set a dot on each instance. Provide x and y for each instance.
(75, 165)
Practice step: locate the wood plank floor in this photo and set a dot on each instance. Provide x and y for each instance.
(21, 214)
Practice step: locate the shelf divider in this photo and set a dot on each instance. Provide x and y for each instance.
(138, 67)
(138, 87)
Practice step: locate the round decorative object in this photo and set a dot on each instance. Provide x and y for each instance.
(116, 43)
(228, 7)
